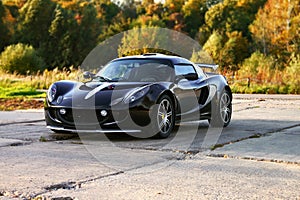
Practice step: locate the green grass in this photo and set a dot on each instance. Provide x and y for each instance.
(24, 91)
(17, 89)
(17, 86)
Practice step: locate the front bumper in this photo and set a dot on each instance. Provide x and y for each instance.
(90, 120)
(55, 128)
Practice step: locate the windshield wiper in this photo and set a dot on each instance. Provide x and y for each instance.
(103, 78)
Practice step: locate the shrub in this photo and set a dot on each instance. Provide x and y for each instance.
(292, 75)
(21, 59)
(258, 67)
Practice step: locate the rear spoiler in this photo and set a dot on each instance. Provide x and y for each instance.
(204, 66)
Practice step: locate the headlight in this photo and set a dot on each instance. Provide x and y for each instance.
(136, 94)
(52, 92)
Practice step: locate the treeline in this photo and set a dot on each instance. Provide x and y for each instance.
(253, 39)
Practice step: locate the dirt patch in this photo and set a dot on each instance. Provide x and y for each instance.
(20, 104)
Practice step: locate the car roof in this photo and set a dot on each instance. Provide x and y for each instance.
(173, 59)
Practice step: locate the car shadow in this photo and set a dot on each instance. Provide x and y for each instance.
(191, 136)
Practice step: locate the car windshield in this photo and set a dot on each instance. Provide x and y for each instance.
(136, 70)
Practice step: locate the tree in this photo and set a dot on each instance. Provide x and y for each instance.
(272, 30)
(113, 19)
(241, 14)
(228, 53)
(4, 32)
(143, 40)
(34, 22)
(194, 12)
(173, 6)
(294, 45)
(115, 28)
(259, 67)
(109, 11)
(292, 74)
(88, 30)
(150, 8)
(157, 40)
(203, 34)
(201, 57)
(59, 44)
(67, 35)
(214, 45)
(144, 20)
(234, 51)
(230, 16)
(215, 17)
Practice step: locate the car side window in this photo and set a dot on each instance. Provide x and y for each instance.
(184, 69)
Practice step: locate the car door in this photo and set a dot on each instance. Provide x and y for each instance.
(189, 85)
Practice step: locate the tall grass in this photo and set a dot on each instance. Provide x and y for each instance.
(14, 85)
(262, 74)
(266, 80)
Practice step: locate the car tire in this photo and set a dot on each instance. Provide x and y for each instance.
(164, 117)
(222, 110)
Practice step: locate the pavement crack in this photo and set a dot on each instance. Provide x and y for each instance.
(185, 152)
(64, 185)
(74, 185)
(284, 128)
(20, 144)
(256, 135)
(254, 159)
(23, 122)
(100, 177)
(71, 185)
(13, 142)
(247, 108)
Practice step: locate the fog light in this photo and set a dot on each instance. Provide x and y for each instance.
(103, 113)
(62, 111)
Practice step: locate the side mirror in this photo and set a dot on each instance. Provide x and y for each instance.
(88, 75)
(190, 77)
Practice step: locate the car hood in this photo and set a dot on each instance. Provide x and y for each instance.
(99, 94)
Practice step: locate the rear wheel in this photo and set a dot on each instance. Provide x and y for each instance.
(164, 119)
(221, 112)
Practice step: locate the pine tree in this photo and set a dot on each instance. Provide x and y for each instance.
(4, 32)
(34, 21)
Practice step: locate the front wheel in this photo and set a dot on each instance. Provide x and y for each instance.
(221, 112)
(164, 118)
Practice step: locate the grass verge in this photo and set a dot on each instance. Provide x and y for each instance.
(26, 92)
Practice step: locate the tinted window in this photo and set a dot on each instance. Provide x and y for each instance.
(138, 70)
(182, 70)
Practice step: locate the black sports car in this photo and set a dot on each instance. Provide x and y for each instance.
(139, 94)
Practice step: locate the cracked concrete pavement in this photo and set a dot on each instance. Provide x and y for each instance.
(256, 157)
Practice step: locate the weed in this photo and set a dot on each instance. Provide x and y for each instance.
(43, 139)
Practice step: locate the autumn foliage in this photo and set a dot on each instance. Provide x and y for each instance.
(255, 42)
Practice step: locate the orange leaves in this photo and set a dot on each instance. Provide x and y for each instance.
(271, 28)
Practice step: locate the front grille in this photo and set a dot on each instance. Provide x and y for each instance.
(81, 116)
